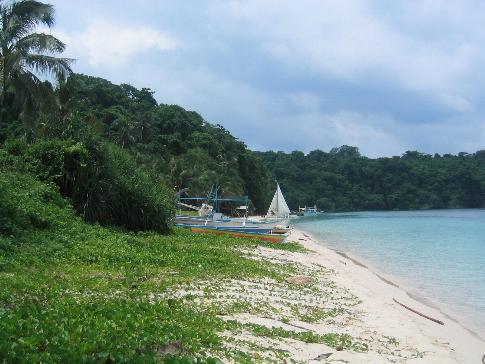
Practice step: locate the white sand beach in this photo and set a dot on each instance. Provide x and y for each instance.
(378, 315)
(331, 292)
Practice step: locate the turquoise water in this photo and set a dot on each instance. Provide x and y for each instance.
(440, 254)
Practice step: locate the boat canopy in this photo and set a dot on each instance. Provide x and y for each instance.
(278, 207)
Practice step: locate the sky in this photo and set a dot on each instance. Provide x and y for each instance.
(385, 76)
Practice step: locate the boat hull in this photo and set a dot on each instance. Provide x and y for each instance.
(191, 220)
(242, 229)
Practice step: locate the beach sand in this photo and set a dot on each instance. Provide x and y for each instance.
(380, 316)
(332, 292)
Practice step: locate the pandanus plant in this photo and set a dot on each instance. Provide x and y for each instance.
(26, 55)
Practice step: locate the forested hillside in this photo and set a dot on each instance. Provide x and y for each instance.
(179, 144)
(176, 144)
(344, 180)
(179, 149)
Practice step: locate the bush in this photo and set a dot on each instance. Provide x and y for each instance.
(28, 205)
(103, 182)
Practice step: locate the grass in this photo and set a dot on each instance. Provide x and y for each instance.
(90, 295)
(316, 314)
(331, 339)
(82, 293)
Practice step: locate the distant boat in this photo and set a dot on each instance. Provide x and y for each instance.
(308, 211)
(278, 208)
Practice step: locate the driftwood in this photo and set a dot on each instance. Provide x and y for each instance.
(419, 313)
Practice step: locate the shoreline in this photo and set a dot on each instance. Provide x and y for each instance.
(399, 283)
(377, 290)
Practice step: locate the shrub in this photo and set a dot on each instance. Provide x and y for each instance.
(103, 182)
(28, 205)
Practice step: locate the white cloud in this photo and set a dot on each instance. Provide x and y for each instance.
(351, 41)
(305, 101)
(457, 102)
(108, 44)
(372, 133)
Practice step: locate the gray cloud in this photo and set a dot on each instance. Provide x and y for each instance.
(384, 76)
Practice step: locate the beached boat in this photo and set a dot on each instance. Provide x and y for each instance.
(224, 221)
(211, 204)
(198, 220)
(247, 229)
(281, 229)
(270, 228)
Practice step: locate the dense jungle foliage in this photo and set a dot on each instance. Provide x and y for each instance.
(177, 145)
(103, 182)
(344, 180)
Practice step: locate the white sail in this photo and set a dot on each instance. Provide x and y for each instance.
(278, 207)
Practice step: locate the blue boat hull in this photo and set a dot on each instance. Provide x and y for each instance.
(242, 229)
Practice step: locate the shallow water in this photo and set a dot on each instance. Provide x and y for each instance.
(439, 253)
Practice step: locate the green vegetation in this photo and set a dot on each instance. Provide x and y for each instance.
(24, 54)
(332, 340)
(178, 145)
(102, 181)
(343, 180)
(72, 291)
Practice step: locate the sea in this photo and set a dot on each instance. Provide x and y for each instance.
(437, 255)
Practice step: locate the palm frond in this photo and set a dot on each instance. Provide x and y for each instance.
(25, 55)
(28, 87)
(23, 16)
(34, 12)
(40, 43)
(60, 67)
(25, 84)
(12, 61)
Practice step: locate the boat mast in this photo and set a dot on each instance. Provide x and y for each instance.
(277, 198)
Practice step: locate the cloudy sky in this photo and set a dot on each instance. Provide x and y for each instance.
(385, 76)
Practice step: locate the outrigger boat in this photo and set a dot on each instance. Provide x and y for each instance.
(245, 229)
(224, 221)
(209, 221)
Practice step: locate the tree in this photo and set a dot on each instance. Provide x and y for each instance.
(346, 151)
(24, 56)
(342, 180)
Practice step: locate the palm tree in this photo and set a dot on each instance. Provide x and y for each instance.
(24, 56)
